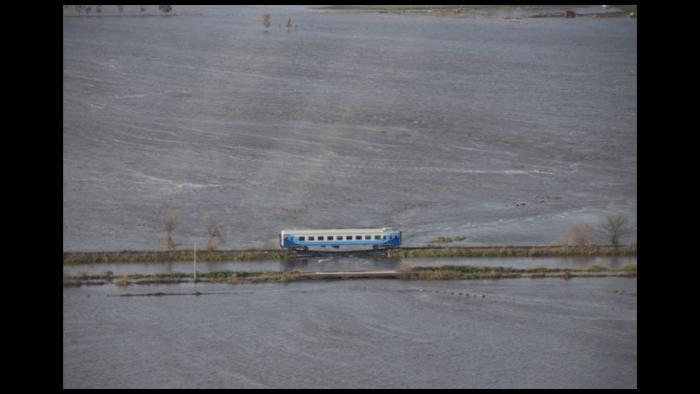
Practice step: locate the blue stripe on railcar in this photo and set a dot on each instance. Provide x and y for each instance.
(392, 239)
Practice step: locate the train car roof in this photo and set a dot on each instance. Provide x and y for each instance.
(339, 230)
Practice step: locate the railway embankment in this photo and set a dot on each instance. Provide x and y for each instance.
(157, 256)
(516, 251)
(446, 272)
(126, 256)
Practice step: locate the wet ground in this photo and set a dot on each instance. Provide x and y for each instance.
(505, 132)
(346, 264)
(523, 333)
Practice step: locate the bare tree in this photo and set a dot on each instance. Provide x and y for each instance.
(120, 8)
(79, 8)
(214, 236)
(266, 21)
(88, 9)
(98, 9)
(143, 8)
(169, 225)
(165, 8)
(289, 23)
(580, 234)
(615, 227)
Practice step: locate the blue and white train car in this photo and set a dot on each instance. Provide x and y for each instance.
(375, 237)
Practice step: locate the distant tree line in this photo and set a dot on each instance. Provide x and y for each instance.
(81, 8)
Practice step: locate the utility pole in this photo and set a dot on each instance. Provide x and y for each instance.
(194, 268)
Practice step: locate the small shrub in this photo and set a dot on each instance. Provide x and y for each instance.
(580, 234)
(169, 225)
(122, 281)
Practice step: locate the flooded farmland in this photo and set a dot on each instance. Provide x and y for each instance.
(500, 131)
(525, 333)
(495, 130)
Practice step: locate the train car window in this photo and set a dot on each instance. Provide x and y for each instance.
(302, 238)
(377, 237)
(330, 237)
(320, 237)
(311, 238)
(348, 237)
(358, 237)
(368, 237)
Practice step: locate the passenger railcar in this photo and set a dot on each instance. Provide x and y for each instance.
(375, 237)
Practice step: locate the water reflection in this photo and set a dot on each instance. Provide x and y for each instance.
(329, 263)
(172, 267)
(528, 262)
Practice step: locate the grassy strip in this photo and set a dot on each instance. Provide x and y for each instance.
(483, 10)
(518, 251)
(147, 256)
(442, 240)
(74, 258)
(446, 272)
(180, 277)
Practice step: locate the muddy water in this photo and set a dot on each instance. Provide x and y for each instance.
(347, 264)
(525, 333)
(504, 132)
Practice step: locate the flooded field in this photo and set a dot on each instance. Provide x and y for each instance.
(346, 264)
(504, 132)
(525, 333)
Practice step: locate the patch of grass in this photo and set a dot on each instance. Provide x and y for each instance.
(122, 281)
(217, 275)
(438, 240)
(595, 268)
